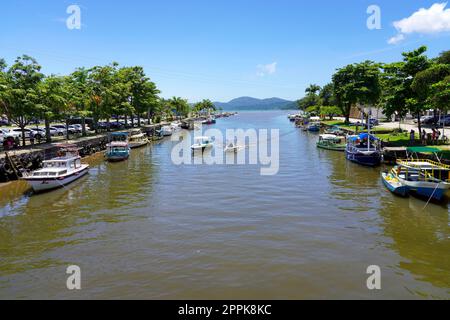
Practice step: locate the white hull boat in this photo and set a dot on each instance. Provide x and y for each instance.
(58, 172)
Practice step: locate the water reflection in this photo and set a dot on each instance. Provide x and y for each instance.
(33, 225)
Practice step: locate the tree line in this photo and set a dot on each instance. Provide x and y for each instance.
(100, 92)
(413, 85)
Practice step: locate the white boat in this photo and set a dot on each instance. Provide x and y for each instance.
(137, 139)
(166, 131)
(59, 171)
(175, 126)
(202, 143)
(232, 147)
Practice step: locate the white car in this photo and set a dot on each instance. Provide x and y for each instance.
(37, 135)
(5, 133)
(59, 131)
(41, 131)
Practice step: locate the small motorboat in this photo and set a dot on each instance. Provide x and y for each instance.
(331, 142)
(119, 148)
(166, 131)
(137, 139)
(202, 143)
(232, 147)
(209, 120)
(58, 172)
(393, 184)
(314, 127)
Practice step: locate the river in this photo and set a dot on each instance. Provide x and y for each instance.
(150, 229)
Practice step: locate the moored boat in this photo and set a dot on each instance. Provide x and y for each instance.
(331, 142)
(314, 127)
(202, 143)
(424, 178)
(364, 150)
(393, 183)
(59, 171)
(166, 131)
(118, 149)
(137, 139)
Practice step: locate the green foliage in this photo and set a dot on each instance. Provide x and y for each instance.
(357, 83)
(330, 111)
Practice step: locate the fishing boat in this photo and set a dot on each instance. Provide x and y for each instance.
(364, 149)
(331, 142)
(424, 178)
(119, 148)
(202, 143)
(137, 139)
(59, 171)
(393, 183)
(314, 127)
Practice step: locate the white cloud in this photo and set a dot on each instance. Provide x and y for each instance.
(266, 69)
(435, 19)
(397, 39)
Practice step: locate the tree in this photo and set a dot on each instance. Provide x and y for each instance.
(414, 62)
(80, 95)
(444, 57)
(356, 83)
(20, 96)
(312, 89)
(52, 100)
(326, 95)
(180, 106)
(329, 111)
(204, 106)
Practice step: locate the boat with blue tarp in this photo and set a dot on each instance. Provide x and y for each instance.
(364, 149)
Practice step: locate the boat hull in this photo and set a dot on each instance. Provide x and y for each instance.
(394, 185)
(429, 190)
(135, 145)
(47, 184)
(372, 160)
(339, 148)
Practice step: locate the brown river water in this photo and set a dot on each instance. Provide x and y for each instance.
(149, 229)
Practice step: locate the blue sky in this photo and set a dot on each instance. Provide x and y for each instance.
(218, 49)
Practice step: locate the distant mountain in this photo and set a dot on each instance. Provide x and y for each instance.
(248, 103)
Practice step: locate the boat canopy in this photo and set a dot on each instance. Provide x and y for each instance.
(364, 136)
(423, 150)
(202, 138)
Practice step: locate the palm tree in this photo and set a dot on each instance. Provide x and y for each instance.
(313, 89)
(180, 106)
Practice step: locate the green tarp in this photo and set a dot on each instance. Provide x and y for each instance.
(424, 150)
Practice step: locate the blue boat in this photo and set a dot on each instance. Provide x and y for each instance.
(393, 183)
(119, 148)
(364, 149)
(314, 127)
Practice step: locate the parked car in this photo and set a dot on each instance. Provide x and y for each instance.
(117, 125)
(74, 129)
(444, 121)
(59, 131)
(3, 122)
(78, 126)
(5, 134)
(41, 131)
(27, 131)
